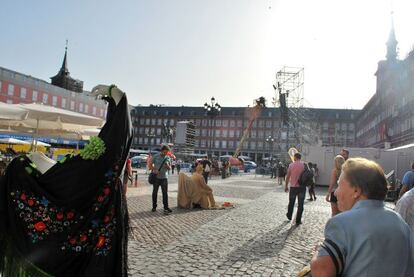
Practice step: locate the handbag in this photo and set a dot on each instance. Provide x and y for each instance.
(152, 177)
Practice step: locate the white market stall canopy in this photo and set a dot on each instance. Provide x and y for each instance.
(38, 142)
(13, 141)
(42, 119)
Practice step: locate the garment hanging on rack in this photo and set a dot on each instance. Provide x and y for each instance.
(71, 220)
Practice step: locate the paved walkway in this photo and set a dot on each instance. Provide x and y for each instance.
(254, 238)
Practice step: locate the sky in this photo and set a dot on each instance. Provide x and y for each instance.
(183, 52)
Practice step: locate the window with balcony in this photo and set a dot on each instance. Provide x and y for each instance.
(45, 98)
(54, 100)
(34, 95)
(268, 124)
(10, 90)
(23, 93)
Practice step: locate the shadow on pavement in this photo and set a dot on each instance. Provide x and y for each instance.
(264, 246)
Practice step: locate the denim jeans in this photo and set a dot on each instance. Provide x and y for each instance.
(294, 192)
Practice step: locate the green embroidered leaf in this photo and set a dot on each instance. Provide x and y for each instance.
(28, 169)
(94, 149)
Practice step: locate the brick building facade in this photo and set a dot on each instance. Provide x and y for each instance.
(387, 119)
(220, 135)
(18, 88)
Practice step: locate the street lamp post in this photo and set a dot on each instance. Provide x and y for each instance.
(150, 135)
(270, 140)
(212, 110)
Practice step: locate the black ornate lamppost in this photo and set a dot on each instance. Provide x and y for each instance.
(150, 135)
(212, 110)
(270, 140)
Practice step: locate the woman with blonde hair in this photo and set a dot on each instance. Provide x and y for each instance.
(336, 172)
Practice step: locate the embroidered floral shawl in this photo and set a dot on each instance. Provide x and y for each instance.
(73, 219)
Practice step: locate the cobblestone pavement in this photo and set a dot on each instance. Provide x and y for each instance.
(252, 239)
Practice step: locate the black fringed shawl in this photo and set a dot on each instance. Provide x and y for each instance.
(73, 219)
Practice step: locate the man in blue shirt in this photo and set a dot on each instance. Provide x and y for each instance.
(160, 165)
(408, 181)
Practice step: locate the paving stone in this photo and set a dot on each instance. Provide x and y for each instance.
(253, 239)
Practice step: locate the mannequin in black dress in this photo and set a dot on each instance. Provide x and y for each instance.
(69, 218)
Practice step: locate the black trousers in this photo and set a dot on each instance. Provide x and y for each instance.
(205, 175)
(163, 183)
(300, 193)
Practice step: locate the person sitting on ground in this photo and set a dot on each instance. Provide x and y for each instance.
(194, 192)
(336, 171)
(366, 239)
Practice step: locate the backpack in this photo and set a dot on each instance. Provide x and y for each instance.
(306, 177)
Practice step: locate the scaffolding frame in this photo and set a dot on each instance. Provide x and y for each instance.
(290, 80)
(299, 131)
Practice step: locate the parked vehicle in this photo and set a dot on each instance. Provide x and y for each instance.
(249, 165)
(139, 161)
(185, 167)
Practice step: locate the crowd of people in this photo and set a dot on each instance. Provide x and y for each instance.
(363, 237)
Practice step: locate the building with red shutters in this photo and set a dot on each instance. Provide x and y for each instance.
(64, 92)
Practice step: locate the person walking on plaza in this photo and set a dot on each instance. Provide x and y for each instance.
(206, 169)
(312, 195)
(274, 171)
(292, 180)
(345, 153)
(281, 173)
(160, 165)
(366, 239)
(173, 167)
(407, 181)
(336, 172)
(178, 166)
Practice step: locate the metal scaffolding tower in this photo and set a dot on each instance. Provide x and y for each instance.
(290, 80)
(299, 123)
